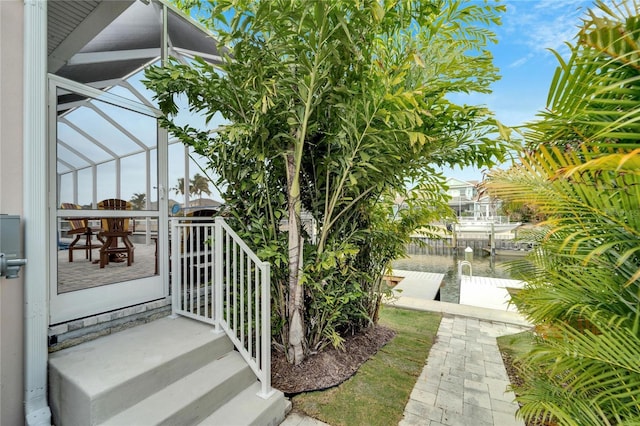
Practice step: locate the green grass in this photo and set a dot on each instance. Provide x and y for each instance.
(517, 344)
(513, 291)
(379, 391)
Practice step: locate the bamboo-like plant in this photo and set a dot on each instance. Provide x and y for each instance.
(581, 169)
(332, 107)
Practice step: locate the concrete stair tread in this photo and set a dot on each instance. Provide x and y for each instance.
(166, 372)
(185, 400)
(122, 356)
(247, 408)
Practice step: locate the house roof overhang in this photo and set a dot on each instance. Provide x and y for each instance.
(103, 44)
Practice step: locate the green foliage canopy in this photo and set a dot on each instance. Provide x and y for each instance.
(582, 171)
(333, 107)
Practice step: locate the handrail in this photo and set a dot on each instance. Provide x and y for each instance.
(461, 265)
(216, 278)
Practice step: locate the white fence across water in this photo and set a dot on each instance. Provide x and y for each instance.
(217, 279)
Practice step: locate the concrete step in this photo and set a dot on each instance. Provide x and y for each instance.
(93, 381)
(192, 398)
(249, 409)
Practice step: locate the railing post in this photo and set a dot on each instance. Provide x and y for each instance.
(265, 333)
(175, 268)
(218, 283)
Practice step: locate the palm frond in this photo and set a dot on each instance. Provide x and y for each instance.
(582, 171)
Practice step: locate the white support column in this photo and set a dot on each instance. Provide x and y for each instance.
(163, 184)
(186, 184)
(37, 234)
(75, 187)
(118, 177)
(94, 186)
(265, 333)
(218, 249)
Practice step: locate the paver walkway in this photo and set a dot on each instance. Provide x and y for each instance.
(464, 381)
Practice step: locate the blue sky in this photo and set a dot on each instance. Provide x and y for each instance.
(529, 28)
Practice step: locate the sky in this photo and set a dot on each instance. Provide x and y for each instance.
(529, 29)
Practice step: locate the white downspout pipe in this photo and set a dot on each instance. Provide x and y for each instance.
(36, 310)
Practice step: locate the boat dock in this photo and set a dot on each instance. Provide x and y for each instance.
(480, 297)
(421, 285)
(488, 292)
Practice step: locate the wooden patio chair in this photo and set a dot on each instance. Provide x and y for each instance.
(114, 229)
(79, 226)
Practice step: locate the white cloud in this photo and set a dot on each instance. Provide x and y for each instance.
(521, 61)
(544, 24)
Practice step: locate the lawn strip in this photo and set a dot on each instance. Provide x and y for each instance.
(379, 391)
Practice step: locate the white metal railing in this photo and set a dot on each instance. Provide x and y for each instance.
(484, 218)
(461, 265)
(217, 279)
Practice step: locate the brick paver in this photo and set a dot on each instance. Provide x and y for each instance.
(464, 381)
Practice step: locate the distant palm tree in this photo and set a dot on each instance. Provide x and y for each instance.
(200, 185)
(138, 201)
(179, 188)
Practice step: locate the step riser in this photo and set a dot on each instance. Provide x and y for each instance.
(74, 404)
(248, 409)
(199, 409)
(169, 372)
(272, 416)
(193, 397)
(133, 391)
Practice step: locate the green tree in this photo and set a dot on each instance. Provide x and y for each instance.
(582, 171)
(179, 188)
(199, 185)
(335, 106)
(139, 201)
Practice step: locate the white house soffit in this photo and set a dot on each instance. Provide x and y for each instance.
(113, 56)
(86, 27)
(63, 18)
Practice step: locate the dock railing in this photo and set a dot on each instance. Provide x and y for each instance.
(461, 265)
(216, 278)
(498, 220)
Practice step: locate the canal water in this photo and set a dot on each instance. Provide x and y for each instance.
(426, 259)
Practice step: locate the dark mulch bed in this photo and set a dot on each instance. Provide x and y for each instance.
(516, 380)
(512, 371)
(330, 366)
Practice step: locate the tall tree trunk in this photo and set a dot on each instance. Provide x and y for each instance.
(295, 306)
